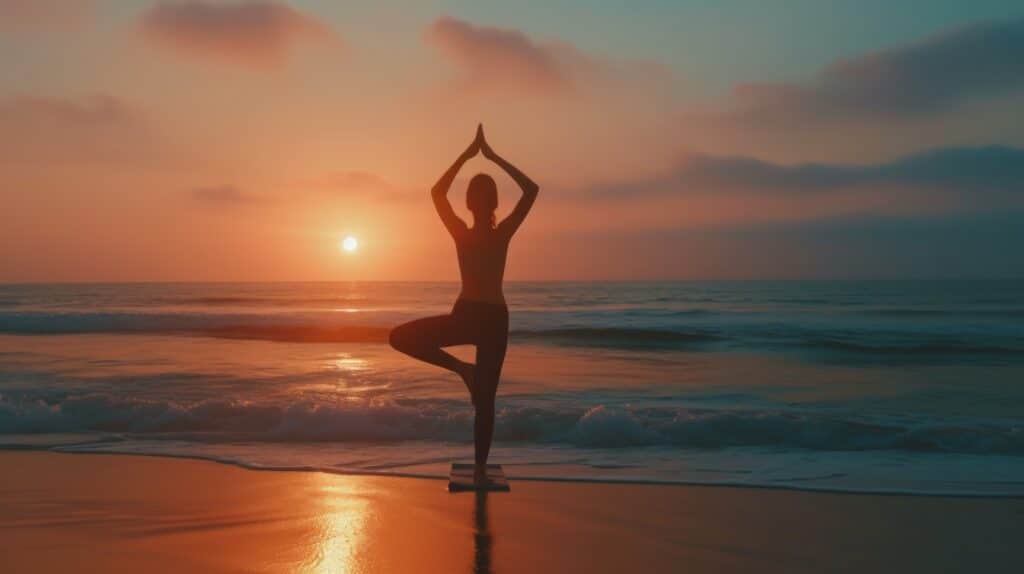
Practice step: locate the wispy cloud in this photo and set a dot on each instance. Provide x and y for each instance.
(30, 15)
(939, 73)
(968, 170)
(222, 194)
(975, 245)
(255, 34)
(493, 60)
(90, 111)
(353, 180)
(47, 129)
(362, 185)
(490, 58)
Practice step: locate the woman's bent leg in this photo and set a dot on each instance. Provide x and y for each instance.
(423, 339)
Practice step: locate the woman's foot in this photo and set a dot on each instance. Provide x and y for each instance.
(466, 371)
(480, 476)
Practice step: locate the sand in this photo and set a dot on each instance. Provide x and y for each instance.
(108, 513)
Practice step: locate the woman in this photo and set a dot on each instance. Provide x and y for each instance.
(480, 316)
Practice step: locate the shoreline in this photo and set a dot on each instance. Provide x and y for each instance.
(158, 514)
(537, 479)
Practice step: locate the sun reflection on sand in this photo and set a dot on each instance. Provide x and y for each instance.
(341, 532)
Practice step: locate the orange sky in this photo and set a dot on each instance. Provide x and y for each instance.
(150, 140)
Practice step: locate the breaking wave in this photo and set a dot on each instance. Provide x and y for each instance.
(632, 330)
(597, 426)
(618, 336)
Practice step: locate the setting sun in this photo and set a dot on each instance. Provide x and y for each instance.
(349, 244)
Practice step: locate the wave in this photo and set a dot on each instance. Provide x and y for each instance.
(221, 300)
(922, 347)
(269, 327)
(633, 333)
(306, 328)
(667, 333)
(269, 301)
(922, 312)
(391, 421)
(301, 333)
(618, 336)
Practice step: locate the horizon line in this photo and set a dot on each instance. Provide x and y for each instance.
(515, 281)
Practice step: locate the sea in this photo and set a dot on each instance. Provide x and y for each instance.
(911, 387)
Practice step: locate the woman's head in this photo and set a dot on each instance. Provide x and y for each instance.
(482, 197)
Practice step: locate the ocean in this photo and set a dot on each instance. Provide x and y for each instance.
(858, 386)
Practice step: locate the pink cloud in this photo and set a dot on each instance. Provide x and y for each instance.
(498, 57)
(504, 60)
(354, 184)
(92, 111)
(354, 180)
(37, 129)
(221, 194)
(255, 33)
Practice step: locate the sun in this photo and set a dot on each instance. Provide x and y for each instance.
(349, 244)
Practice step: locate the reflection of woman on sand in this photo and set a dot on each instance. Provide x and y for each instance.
(483, 540)
(480, 316)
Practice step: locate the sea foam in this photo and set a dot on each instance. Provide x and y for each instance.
(598, 426)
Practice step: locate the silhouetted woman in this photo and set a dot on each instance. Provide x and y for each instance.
(480, 316)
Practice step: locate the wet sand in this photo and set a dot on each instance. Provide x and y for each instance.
(109, 513)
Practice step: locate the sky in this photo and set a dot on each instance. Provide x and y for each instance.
(210, 140)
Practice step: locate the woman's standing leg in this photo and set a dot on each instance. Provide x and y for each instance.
(490, 356)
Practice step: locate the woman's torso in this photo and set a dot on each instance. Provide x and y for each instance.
(482, 255)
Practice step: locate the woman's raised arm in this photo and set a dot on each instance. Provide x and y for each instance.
(510, 224)
(439, 192)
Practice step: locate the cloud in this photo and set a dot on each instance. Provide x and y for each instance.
(355, 184)
(977, 245)
(353, 181)
(221, 194)
(498, 57)
(968, 170)
(504, 60)
(939, 73)
(28, 15)
(254, 34)
(96, 128)
(87, 112)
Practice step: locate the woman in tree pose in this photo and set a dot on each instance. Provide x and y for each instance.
(480, 316)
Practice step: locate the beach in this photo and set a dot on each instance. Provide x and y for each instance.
(119, 513)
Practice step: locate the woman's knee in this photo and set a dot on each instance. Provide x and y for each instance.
(399, 338)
